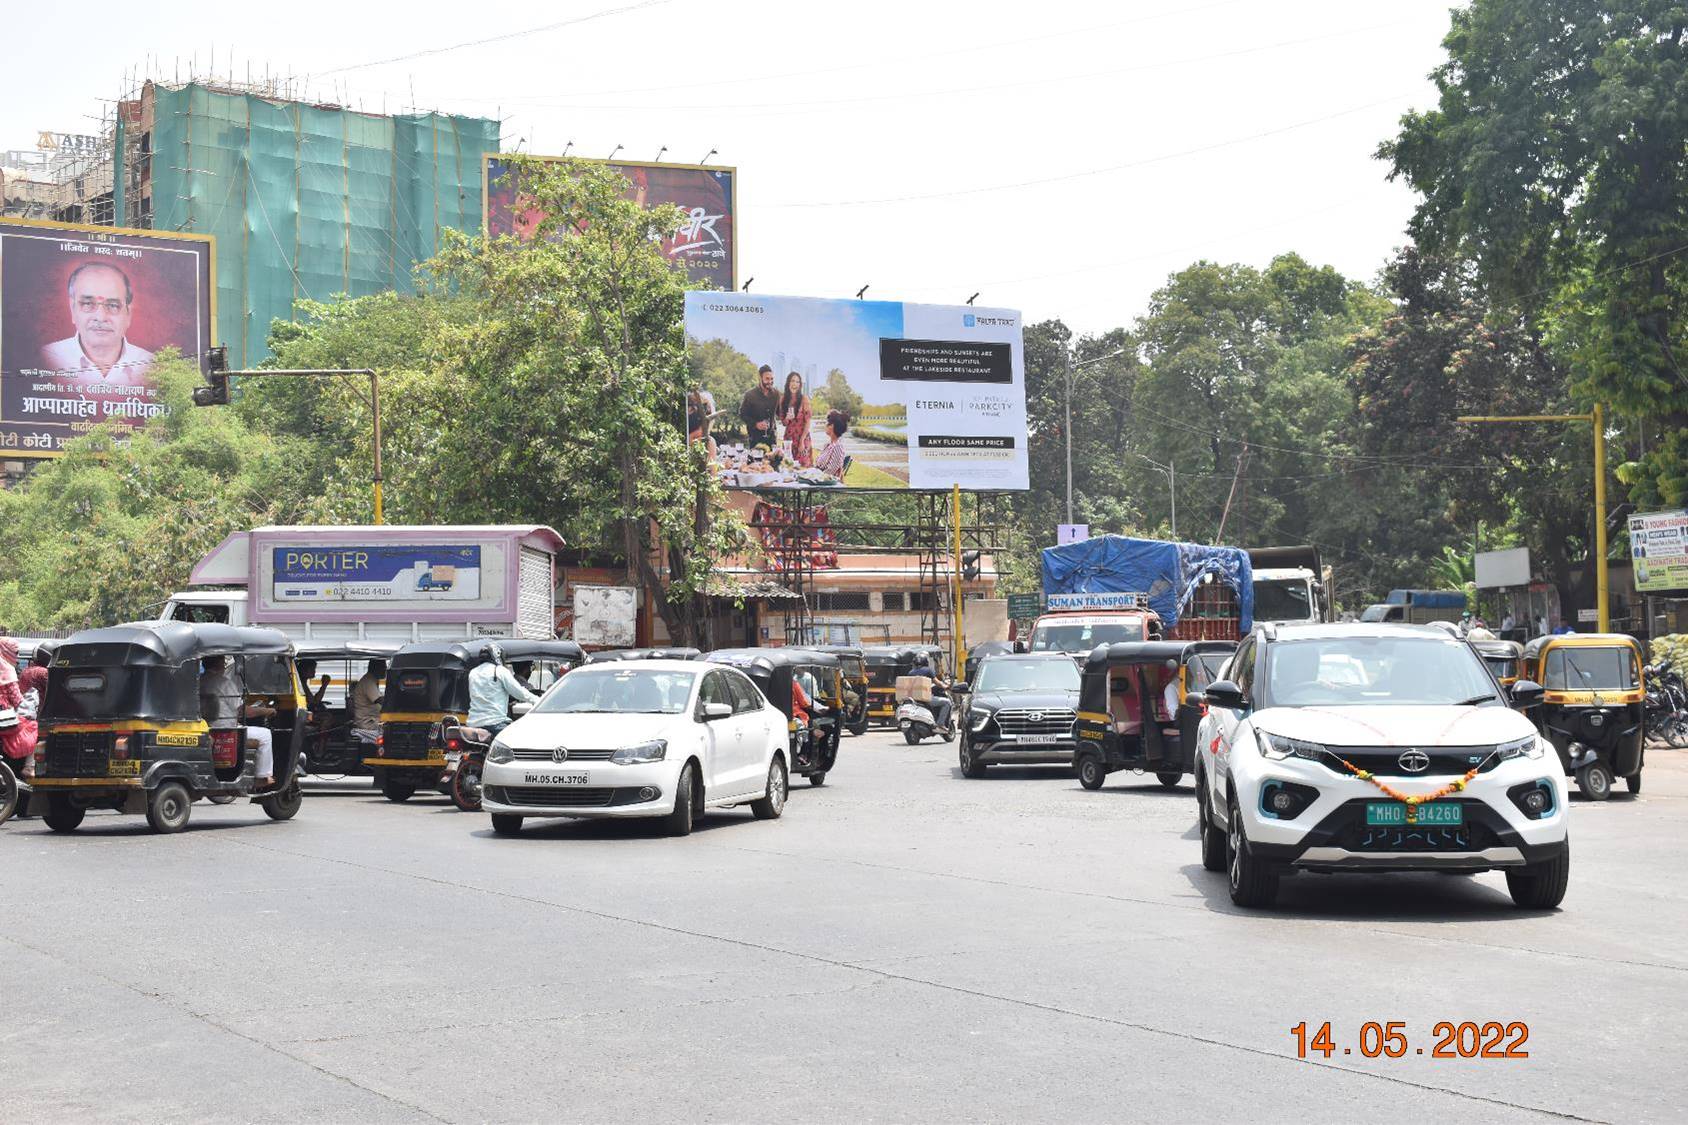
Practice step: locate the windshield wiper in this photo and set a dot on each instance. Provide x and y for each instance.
(1474, 701)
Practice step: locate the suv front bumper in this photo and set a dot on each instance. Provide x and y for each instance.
(1342, 840)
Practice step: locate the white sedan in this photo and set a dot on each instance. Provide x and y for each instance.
(646, 738)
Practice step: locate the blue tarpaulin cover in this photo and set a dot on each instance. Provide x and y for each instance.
(1429, 599)
(1167, 573)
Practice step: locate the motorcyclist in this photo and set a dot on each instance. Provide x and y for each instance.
(492, 688)
(942, 705)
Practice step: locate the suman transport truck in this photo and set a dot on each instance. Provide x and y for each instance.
(379, 583)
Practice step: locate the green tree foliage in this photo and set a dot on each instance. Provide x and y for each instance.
(837, 394)
(1557, 161)
(726, 373)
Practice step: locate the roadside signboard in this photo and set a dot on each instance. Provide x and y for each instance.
(1021, 607)
(1499, 569)
(1095, 600)
(1587, 616)
(1071, 533)
(1658, 546)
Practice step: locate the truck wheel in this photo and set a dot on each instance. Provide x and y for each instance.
(285, 804)
(1595, 781)
(169, 807)
(61, 815)
(397, 791)
(1091, 775)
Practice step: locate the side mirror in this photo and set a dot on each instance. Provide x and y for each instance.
(713, 711)
(1525, 693)
(1224, 693)
(517, 710)
(1022, 646)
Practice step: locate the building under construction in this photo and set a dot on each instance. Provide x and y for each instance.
(306, 200)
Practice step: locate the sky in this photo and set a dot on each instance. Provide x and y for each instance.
(1061, 158)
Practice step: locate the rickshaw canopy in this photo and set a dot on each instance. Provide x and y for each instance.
(166, 644)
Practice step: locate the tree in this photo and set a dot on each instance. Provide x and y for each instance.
(837, 394)
(1557, 161)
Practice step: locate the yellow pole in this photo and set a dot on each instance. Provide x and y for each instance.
(375, 417)
(958, 645)
(1602, 586)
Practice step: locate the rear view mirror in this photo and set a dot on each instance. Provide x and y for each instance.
(1525, 693)
(1224, 693)
(716, 711)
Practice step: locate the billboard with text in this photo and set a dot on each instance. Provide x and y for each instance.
(1658, 545)
(706, 244)
(800, 392)
(84, 311)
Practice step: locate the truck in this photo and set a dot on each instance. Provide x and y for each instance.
(1416, 607)
(1114, 588)
(380, 583)
(1291, 586)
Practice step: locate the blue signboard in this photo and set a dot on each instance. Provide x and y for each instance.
(385, 573)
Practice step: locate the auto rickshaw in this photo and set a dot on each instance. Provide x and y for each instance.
(888, 663)
(608, 654)
(1591, 706)
(428, 692)
(1502, 657)
(330, 748)
(814, 748)
(1139, 706)
(123, 728)
(853, 665)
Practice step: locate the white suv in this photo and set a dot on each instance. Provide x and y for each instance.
(1380, 748)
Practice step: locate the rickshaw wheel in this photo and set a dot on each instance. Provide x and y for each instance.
(283, 805)
(169, 807)
(1633, 783)
(397, 791)
(818, 778)
(8, 793)
(1091, 775)
(61, 815)
(859, 727)
(1595, 781)
(1169, 779)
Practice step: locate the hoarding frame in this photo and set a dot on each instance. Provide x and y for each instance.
(732, 170)
(90, 229)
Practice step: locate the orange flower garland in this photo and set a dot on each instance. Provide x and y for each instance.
(1412, 803)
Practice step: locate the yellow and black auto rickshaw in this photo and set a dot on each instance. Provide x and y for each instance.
(814, 745)
(330, 749)
(427, 694)
(1591, 706)
(853, 666)
(1502, 657)
(123, 723)
(1136, 711)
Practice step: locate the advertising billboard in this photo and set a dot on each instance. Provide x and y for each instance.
(705, 245)
(1658, 547)
(376, 573)
(801, 392)
(83, 312)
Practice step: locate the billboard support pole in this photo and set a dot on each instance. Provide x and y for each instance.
(375, 417)
(374, 409)
(957, 641)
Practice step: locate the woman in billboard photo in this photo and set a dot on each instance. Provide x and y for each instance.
(795, 418)
(831, 459)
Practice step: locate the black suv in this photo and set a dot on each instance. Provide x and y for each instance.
(1020, 710)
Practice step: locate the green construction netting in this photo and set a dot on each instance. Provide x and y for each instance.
(307, 201)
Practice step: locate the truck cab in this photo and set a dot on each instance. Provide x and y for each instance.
(1287, 596)
(206, 607)
(1077, 632)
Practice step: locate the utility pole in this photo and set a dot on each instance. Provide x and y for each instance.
(959, 646)
(1242, 459)
(1597, 417)
(1071, 367)
(1171, 471)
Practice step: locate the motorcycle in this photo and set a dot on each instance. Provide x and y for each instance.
(917, 722)
(465, 757)
(1664, 718)
(14, 794)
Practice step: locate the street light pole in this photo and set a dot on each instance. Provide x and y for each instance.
(374, 410)
(1171, 471)
(1597, 417)
(1070, 367)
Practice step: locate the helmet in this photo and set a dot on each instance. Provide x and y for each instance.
(496, 653)
(921, 660)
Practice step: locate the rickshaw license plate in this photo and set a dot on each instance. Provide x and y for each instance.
(124, 768)
(1391, 814)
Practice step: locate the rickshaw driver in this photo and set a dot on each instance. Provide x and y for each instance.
(942, 704)
(222, 703)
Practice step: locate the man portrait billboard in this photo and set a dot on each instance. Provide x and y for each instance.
(83, 313)
(704, 244)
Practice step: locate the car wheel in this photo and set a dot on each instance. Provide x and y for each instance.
(772, 803)
(1595, 781)
(1213, 840)
(506, 824)
(1633, 783)
(1541, 886)
(1169, 779)
(1252, 882)
(169, 806)
(679, 822)
(397, 791)
(1091, 775)
(970, 766)
(61, 815)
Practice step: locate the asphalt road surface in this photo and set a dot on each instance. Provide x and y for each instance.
(903, 945)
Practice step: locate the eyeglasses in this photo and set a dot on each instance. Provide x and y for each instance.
(111, 306)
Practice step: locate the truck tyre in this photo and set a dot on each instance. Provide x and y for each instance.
(169, 807)
(61, 815)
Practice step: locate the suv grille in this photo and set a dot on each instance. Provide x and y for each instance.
(1385, 761)
(1034, 722)
(1425, 838)
(81, 754)
(574, 755)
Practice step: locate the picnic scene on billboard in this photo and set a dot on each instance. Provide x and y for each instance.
(803, 392)
(84, 313)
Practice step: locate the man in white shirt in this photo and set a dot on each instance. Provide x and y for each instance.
(492, 688)
(222, 704)
(102, 304)
(363, 703)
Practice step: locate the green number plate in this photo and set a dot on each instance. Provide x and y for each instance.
(1393, 813)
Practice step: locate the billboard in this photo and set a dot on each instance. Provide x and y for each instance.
(376, 573)
(706, 245)
(1500, 569)
(801, 392)
(83, 312)
(1658, 547)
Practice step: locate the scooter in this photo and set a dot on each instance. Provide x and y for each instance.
(917, 721)
(465, 756)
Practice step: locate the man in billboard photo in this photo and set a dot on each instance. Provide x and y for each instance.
(102, 305)
(759, 408)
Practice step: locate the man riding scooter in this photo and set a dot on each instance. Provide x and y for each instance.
(940, 706)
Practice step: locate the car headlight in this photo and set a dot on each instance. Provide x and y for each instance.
(1277, 747)
(1527, 747)
(977, 719)
(499, 752)
(653, 751)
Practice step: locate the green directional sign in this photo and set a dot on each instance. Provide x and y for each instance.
(1022, 606)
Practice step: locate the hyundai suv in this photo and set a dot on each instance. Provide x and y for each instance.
(1378, 748)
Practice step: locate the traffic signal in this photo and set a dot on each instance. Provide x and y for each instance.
(970, 565)
(216, 389)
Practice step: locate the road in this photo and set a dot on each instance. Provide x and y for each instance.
(903, 945)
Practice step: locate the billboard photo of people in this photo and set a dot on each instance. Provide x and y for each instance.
(704, 244)
(800, 392)
(84, 311)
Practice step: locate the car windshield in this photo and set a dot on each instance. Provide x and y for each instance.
(618, 690)
(1400, 671)
(1502, 666)
(1082, 637)
(1589, 669)
(1028, 675)
(1284, 599)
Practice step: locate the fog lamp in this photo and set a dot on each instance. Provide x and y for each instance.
(648, 794)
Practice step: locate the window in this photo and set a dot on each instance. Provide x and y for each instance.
(848, 601)
(1242, 668)
(1204, 669)
(617, 689)
(895, 603)
(1396, 670)
(747, 698)
(200, 614)
(715, 690)
(1589, 669)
